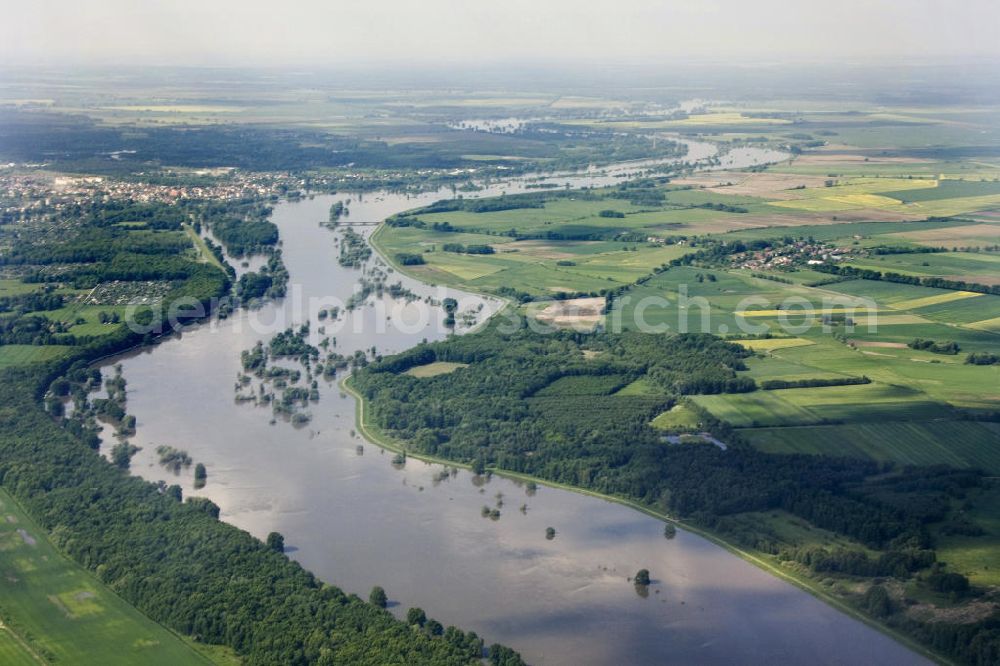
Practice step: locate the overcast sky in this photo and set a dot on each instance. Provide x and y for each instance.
(343, 32)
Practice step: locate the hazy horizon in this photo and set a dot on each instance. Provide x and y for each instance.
(252, 33)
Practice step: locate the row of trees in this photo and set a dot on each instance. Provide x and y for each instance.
(934, 282)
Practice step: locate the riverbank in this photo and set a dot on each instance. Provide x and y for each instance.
(378, 437)
(400, 268)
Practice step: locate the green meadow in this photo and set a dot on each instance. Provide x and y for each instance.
(678, 417)
(946, 189)
(861, 403)
(26, 354)
(54, 611)
(538, 267)
(957, 265)
(960, 444)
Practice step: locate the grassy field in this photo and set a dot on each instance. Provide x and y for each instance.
(435, 369)
(954, 265)
(204, 253)
(533, 266)
(962, 311)
(641, 386)
(955, 236)
(960, 444)
(16, 287)
(678, 417)
(65, 615)
(15, 652)
(860, 403)
(989, 325)
(870, 232)
(768, 344)
(924, 301)
(946, 189)
(26, 354)
(89, 314)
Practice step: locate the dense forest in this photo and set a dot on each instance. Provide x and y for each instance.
(172, 559)
(536, 404)
(76, 143)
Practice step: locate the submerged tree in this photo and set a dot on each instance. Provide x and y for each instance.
(434, 628)
(416, 616)
(378, 597)
(200, 475)
(450, 307)
(121, 454)
(276, 542)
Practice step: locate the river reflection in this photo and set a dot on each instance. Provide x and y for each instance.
(358, 520)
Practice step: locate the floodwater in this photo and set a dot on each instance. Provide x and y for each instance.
(356, 520)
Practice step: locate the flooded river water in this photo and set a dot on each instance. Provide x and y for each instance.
(356, 520)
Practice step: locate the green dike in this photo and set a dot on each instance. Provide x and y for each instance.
(378, 436)
(54, 610)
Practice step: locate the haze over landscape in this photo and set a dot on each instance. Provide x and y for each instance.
(521, 333)
(446, 33)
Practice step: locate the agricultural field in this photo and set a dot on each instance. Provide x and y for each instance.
(960, 444)
(946, 189)
(915, 397)
(714, 121)
(830, 404)
(864, 231)
(958, 235)
(532, 266)
(55, 611)
(580, 218)
(982, 267)
(14, 652)
(770, 344)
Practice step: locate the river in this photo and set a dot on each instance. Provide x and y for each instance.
(356, 520)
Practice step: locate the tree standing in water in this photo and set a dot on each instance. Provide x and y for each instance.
(378, 597)
(276, 542)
